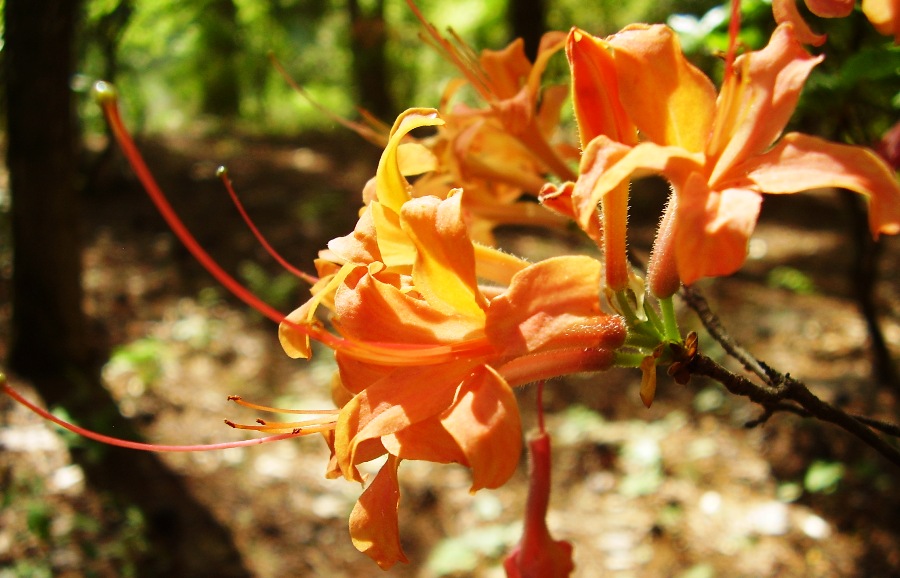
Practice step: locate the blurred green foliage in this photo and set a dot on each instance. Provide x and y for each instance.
(165, 55)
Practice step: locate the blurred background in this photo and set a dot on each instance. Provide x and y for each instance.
(109, 322)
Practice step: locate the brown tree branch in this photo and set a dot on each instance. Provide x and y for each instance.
(779, 392)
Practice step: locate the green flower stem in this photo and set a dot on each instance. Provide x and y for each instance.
(670, 323)
(628, 359)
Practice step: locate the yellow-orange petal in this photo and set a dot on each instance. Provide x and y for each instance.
(669, 99)
(712, 229)
(757, 111)
(374, 311)
(444, 269)
(830, 8)
(484, 421)
(427, 440)
(801, 162)
(400, 399)
(553, 303)
(595, 92)
(374, 527)
(391, 186)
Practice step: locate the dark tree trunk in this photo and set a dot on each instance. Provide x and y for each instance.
(217, 64)
(48, 326)
(48, 334)
(526, 18)
(368, 43)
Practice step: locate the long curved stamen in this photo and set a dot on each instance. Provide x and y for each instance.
(222, 173)
(377, 131)
(240, 401)
(140, 445)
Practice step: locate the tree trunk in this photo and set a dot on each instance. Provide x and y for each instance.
(217, 64)
(526, 19)
(48, 334)
(368, 44)
(48, 325)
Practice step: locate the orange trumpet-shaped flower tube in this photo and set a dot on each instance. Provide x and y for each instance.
(599, 111)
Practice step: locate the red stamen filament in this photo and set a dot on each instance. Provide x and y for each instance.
(98, 437)
(222, 173)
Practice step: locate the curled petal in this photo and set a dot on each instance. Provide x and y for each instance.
(785, 11)
(801, 162)
(713, 228)
(374, 527)
(391, 186)
(484, 421)
(360, 246)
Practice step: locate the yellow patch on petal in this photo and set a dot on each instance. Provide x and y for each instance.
(444, 270)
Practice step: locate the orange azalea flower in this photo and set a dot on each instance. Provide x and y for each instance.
(883, 14)
(408, 275)
(720, 153)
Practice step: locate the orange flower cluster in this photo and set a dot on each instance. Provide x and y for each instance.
(434, 327)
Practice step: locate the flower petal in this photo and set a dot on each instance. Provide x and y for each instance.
(607, 164)
(370, 309)
(485, 423)
(444, 270)
(400, 399)
(426, 440)
(553, 303)
(785, 11)
(712, 229)
(830, 8)
(391, 186)
(374, 527)
(884, 16)
(595, 93)
(669, 99)
(755, 106)
(800, 162)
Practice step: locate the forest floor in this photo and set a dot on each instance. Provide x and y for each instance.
(682, 489)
